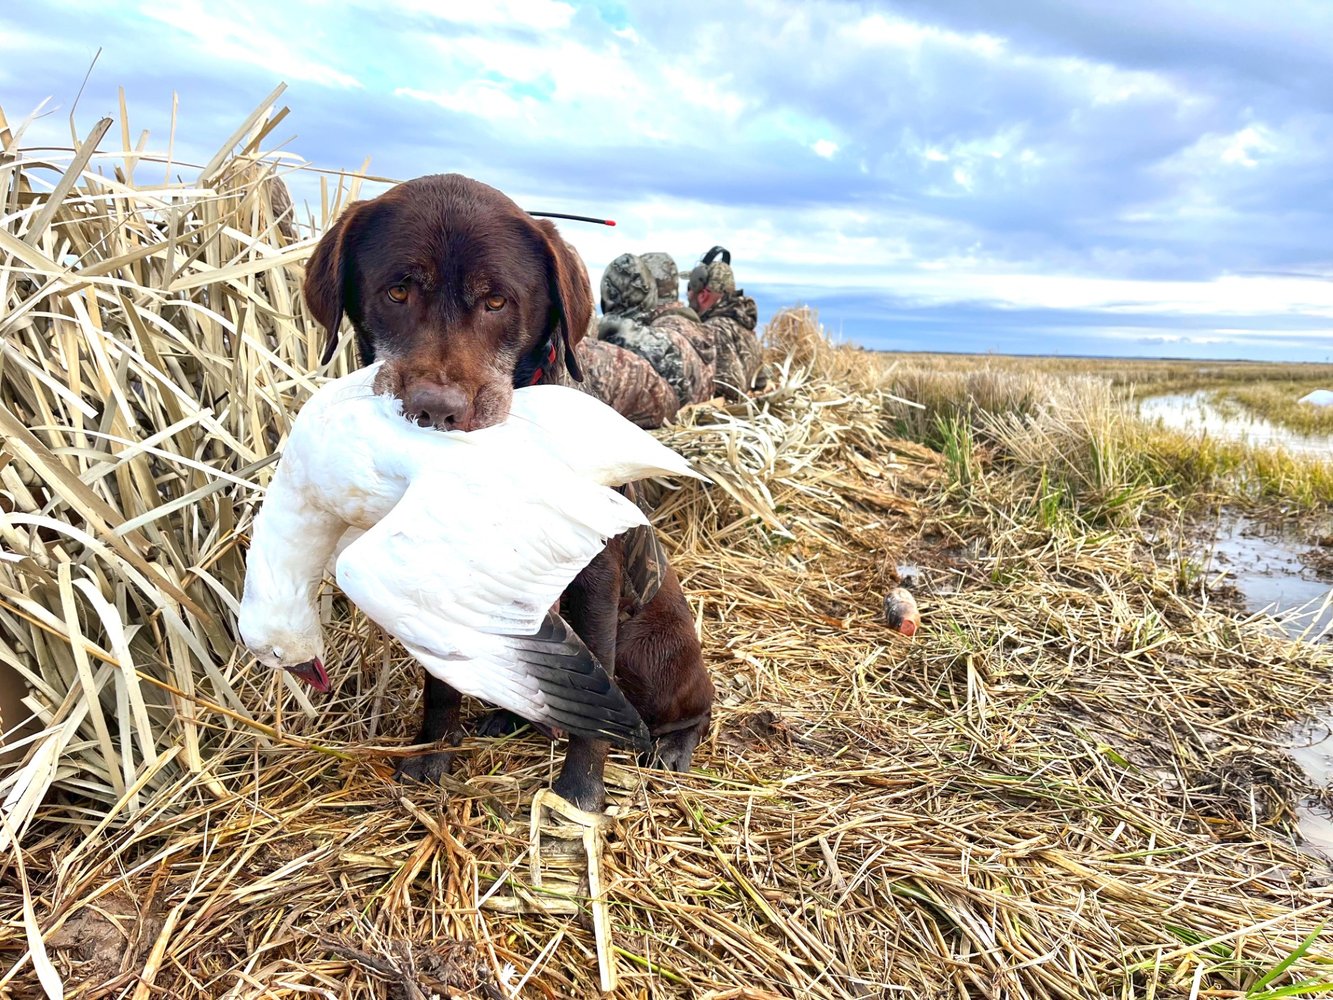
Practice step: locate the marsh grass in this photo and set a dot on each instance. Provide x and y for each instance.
(975, 384)
(1279, 403)
(1071, 784)
(1071, 422)
(1147, 376)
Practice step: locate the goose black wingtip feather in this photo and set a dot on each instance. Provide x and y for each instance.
(581, 697)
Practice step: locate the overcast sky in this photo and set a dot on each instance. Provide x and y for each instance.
(1043, 176)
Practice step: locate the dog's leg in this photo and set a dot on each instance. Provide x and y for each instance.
(439, 720)
(660, 668)
(592, 607)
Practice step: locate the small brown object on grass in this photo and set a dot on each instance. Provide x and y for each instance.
(900, 612)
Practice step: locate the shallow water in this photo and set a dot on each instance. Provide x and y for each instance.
(1197, 413)
(1266, 568)
(1312, 749)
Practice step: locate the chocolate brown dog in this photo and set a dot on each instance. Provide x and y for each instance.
(465, 297)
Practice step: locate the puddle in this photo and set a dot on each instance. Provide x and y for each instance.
(1266, 568)
(1312, 749)
(1195, 412)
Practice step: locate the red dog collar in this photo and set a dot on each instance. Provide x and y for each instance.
(541, 371)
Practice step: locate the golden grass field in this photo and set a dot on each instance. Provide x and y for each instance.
(1147, 375)
(1270, 390)
(1071, 783)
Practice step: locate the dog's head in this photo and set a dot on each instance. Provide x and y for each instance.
(460, 293)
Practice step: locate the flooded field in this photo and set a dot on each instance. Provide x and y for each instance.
(1267, 569)
(1200, 413)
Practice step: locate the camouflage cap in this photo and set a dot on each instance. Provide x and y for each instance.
(627, 287)
(716, 277)
(664, 272)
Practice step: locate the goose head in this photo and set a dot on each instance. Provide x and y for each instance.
(281, 643)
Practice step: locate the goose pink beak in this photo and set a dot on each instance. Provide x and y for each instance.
(313, 673)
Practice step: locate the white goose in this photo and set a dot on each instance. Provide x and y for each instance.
(458, 544)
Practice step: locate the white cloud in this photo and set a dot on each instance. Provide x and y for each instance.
(878, 31)
(825, 148)
(1214, 152)
(483, 98)
(1106, 84)
(562, 85)
(685, 84)
(1238, 295)
(236, 35)
(1242, 147)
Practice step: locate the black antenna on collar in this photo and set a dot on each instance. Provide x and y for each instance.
(575, 218)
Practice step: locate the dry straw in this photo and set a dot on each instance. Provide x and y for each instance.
(1071, 785)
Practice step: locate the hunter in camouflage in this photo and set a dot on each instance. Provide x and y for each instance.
(731, 316)
(620, 378)
(673, 314)
(629, 300)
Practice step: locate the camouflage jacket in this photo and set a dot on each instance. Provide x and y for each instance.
(672, 355)
(681, 317)
(739, 357)
(681, 322)
(626, 382)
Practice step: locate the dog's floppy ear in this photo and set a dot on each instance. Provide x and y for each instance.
(571, 294)
(325, 287)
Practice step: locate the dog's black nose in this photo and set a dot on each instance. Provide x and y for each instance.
(444, 407)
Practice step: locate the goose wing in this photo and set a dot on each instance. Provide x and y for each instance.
(560, 421)
(464, 571)
(548, 677)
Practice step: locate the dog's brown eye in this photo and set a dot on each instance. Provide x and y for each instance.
(398, 293)
(495, 302)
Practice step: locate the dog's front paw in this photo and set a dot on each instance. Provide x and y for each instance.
(674, 751)
(428, 768)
